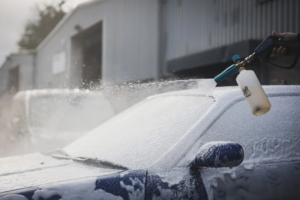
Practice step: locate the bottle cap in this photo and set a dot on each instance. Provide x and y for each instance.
(235, 58)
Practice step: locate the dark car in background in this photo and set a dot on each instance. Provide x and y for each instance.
(178, 145)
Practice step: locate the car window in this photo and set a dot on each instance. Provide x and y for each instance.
(140, 135)
(73, 113)
(275, 135)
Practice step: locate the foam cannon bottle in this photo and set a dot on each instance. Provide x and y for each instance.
(250, 86)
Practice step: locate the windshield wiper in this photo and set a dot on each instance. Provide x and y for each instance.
(60, 154)
(99, 163)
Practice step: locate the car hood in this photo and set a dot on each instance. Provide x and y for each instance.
(35, 170)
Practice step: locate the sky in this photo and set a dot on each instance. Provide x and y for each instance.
(13, 16)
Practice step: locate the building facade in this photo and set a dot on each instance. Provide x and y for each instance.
(115, 40)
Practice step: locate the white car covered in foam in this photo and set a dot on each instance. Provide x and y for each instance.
(177, 145)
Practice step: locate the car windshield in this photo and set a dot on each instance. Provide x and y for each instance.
(139, 136)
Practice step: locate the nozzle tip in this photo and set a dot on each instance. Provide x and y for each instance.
(236, 58)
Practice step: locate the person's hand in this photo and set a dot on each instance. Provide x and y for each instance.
(288, 36)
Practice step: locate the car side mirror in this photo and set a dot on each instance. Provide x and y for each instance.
(219, 154)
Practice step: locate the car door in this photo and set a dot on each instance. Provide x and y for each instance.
(175, 183)
(271, 142)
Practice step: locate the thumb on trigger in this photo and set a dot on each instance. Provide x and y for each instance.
(279, 35)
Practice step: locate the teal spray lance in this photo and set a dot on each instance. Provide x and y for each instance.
(247, 80)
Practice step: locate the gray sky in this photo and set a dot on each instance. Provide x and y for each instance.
(13, 17)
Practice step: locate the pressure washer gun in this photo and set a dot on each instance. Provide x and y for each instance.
(247, 80)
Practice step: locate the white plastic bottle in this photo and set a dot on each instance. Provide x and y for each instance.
(253, 92)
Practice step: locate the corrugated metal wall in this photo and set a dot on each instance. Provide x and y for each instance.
(199, 25)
